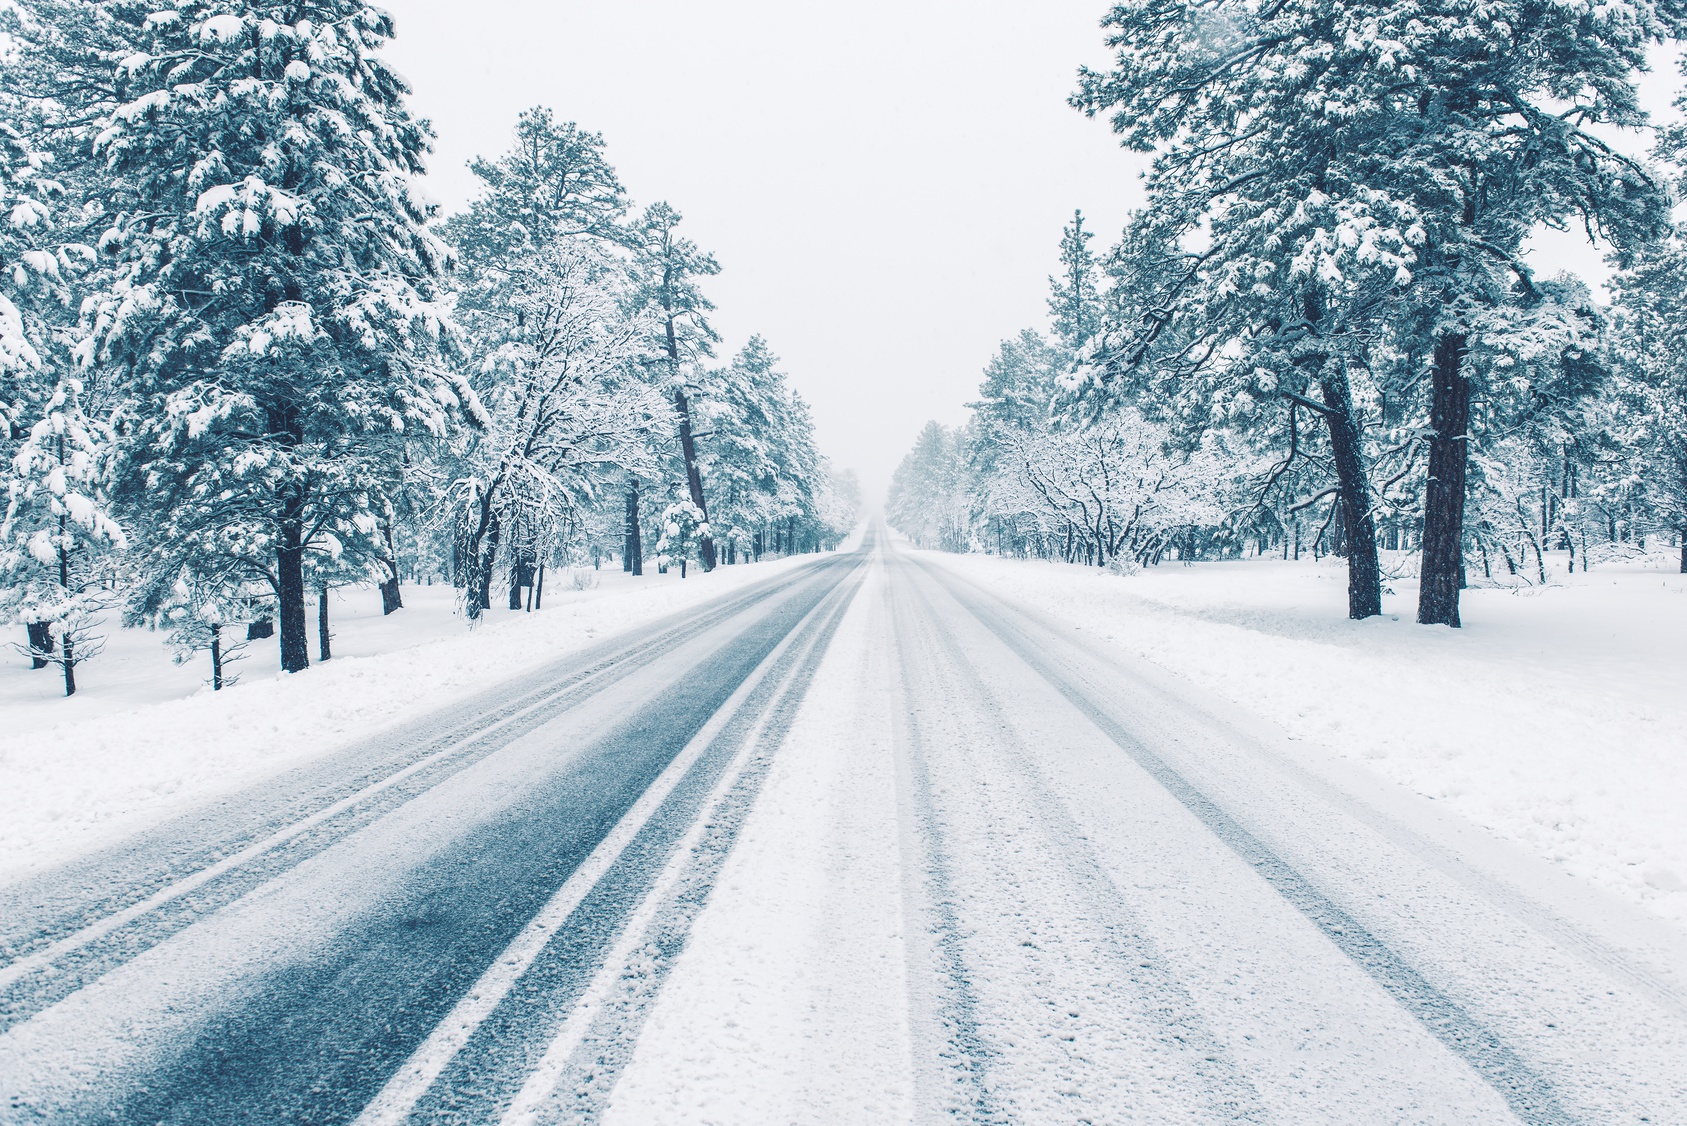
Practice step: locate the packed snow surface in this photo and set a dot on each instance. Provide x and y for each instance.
(143, 739)
(1556, 717)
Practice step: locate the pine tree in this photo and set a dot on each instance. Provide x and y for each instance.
(761, 463)
(553, 336)
(1652, 362)
(271, 317)
(25, 197)
(684, 528)
(1074, 299)
(670, 267)
(928, 498)
(57, 532)
(1355, 173)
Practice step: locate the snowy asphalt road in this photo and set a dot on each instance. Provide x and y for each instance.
(861, 844)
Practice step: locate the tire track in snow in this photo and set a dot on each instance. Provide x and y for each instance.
(49, 960)
(574, 1080)
(315, 1021)
(1528, 1094)
(1181, 1032)
(955, 1083)
(1083, 1000)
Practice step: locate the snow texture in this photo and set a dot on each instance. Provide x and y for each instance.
(1553, 718)
(144, 739)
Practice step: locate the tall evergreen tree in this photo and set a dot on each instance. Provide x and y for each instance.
(271, 317)
(57, 531)
(1074, 297)
(671, 268)
(761, 464)
(1336, 173)
(35, 309)
(1652, 362)
(553, 337)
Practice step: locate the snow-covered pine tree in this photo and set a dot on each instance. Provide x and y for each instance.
(25, 197)
(929, 498)
(761, 462)
(554, 337)
(684, 528)
(839, 501)
(1333, 171)
(57, 532)
(1652, 381)
(554, 344)
(1074, 296)
(271, 319)
(554, 182)
(670, 268)
(201, 610)
(26, 268)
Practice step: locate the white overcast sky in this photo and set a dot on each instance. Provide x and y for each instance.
(883, 182)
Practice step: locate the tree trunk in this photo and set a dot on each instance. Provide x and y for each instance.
(324, 652)
(539, 588)
(67, 655)
(693, 476)
(216, 658)
(1364, 572)
(484, 561)
(1684, 550)
(41, 636)
(633, 556)
(391, 598)
(1443, 502)
(290, 585)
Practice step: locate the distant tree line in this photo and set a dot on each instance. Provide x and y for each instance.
(1320, 331)
(243, 361)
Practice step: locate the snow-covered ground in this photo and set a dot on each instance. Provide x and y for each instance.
(143, 738)
(1557, 717)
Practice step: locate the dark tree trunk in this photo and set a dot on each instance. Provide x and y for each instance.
(539, 588)
(1364, 572)
(216, 658)
(633, 555)
(324, 651)
(260, 629)
(67, 653)
(1443, 501)
(693, 476)
(1684, 550)
(41, 636)
(516, 575)
(290, 586)
(478, 553)
(486, 557)
(391, 598)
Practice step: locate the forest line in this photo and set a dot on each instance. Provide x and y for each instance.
(243, 360)
(1320, 332)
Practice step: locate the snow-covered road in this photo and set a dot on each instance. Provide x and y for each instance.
(860, 844)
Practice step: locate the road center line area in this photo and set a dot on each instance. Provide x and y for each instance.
(861, 844)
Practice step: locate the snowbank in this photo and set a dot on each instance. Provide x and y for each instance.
(1557, 717)
(144, 739)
